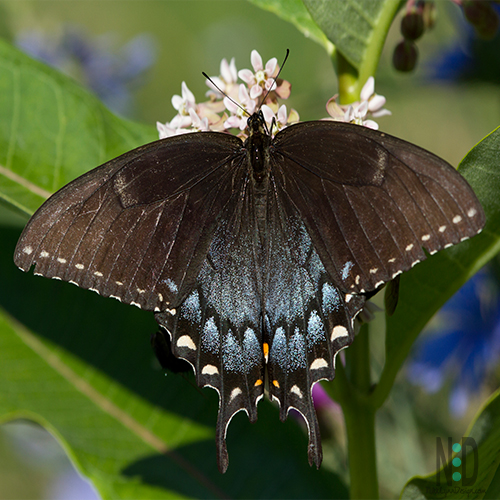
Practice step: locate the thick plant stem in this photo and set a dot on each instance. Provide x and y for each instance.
(352, 391)
(349, 85)
(360, 425)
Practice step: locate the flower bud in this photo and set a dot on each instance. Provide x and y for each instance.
(412, 26)
(405, 56)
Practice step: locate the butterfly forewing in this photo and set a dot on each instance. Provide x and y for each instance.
(372, 202)
(138, 238)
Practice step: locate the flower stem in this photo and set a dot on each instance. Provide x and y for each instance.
(360, 425)
(359, 416)
(352, 391)
(349, 85)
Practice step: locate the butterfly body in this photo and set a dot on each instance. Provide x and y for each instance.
(257, 148)
(255, 256)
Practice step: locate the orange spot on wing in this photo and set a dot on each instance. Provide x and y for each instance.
(265, 349)
(276, 384)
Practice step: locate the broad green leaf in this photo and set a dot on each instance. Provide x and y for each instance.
(357, 28)
(81, 365)
(51, 131)
(425, 288)
(295, 12)
(479, 469)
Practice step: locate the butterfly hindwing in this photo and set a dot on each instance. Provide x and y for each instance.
(218, 328)
(307, 318)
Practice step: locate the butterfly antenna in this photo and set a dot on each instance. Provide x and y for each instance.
(274, 85)
(224, 94)
(268, 92)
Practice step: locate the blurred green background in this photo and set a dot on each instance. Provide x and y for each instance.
(191, 36)
(194, 35)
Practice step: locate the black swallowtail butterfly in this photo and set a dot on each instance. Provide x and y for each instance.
(255, 256)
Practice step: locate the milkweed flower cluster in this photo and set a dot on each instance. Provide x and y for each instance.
(359, 112)
(231, 103)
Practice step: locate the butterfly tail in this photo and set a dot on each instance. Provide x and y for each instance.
(308, 413)
(314, 449)
(230, 404)
(225, 357)
(222, 455)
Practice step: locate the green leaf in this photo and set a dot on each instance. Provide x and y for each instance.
(81, 365)
(480, 472)
(357, 28)
(295, 12)
(426, 288)
(51, 131)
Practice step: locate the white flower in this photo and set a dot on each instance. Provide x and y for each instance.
(263, 78)
(357, 114)
(275, 122)
(368, 89)
(184, 103)
(226, 81)
(241, 112)
(198, 124)
(179, 125)
(371, 104)
(375, 102)
(164, 130)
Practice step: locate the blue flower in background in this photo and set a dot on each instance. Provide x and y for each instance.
(112, 75)
(470, 58)
(463, 343)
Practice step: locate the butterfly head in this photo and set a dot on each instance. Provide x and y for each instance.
(256, 124)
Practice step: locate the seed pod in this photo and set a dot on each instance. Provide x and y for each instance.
(405, 56)
(412, 26)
